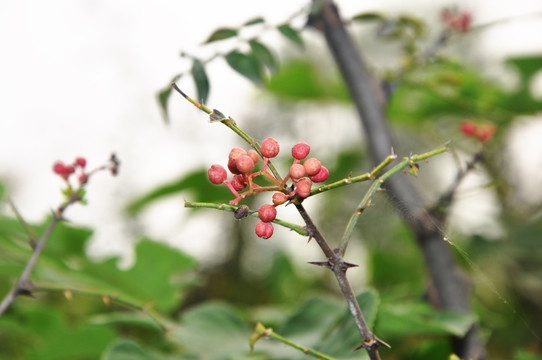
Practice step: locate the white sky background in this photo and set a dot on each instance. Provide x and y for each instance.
(80, 78)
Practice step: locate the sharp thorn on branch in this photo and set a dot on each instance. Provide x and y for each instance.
(325, 264)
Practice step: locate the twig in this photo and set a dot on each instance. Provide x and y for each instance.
(106, 298)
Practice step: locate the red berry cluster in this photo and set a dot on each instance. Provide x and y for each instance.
(456, 20)
(483, 132)
(241, 164)
(66, 170)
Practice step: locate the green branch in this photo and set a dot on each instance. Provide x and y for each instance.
(366, 201)
(231, 208)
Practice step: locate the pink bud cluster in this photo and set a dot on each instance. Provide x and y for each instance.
(66, 170)
(456, 20)
(482, 132)
(241, 163)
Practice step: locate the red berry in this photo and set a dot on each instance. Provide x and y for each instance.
(297, 171)
(217, 174)
(279, 198)
(264, 229)
(244, 164)
(303, 187)
(59, 168)
(83, 178)
(300, 150)
(254, 155)
(486, 132)
(81, 161)
(238, 182)
(312, 166)
(468, 128)
(267, 213)
(322, 175)
(270, 148)
(70, 169)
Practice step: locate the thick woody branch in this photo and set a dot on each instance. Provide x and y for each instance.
(369, 101)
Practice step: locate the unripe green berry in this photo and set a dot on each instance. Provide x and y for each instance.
(300, 150)
(279, 198)
(312, 166)
(270, 148)
(217, 174)
(244, 164)
(264, 229)
(297, 171)
(267, 213)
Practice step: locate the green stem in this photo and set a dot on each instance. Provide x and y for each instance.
(366, 201)
(230, 123)
(351, 180)
(261, 331)
(231, 208)
(105, 298)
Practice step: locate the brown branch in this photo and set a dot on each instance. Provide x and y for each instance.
(369, 101)
(336, 263)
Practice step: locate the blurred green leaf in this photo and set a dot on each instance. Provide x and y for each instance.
(196, 182)
(257, 20)
(262, 53)
(201, 80)
(128, 350)
(368, 16)
(301, 80)
(221, 34)
(213, 331)
(291, 34)
(410, 319)
(163, 98)
(246, 65)
(43, 333)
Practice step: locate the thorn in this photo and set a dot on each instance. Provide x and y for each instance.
(325, 264)
(350, 265)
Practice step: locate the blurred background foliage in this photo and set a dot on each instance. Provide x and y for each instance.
(168, 305)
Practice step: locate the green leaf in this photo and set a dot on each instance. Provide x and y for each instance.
(213, 331)
(128, 350)
(262, 53)
(196, 182)
(163, 97)
(201, 80)
(221, 34)
(291, 34)
(246, 65)
(368, 16)
(257, 20)
(408, 319)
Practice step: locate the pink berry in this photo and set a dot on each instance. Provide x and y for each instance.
(70, 169)
(322, 175)
(270, 148)
(217, 174)
(303, 187)
(81, 161)
(312, 166)
(232, 166)
(486, 132)
(244, 164)
(83, 178)
(468, 128)
(238, 182)
(297, 171)
(300, 150)
(236, 152)
(267, 213)
(254, 155)
(59, 168)
(264, 229)
(279, 198)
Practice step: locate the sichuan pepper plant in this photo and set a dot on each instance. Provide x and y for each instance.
(294, 188)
